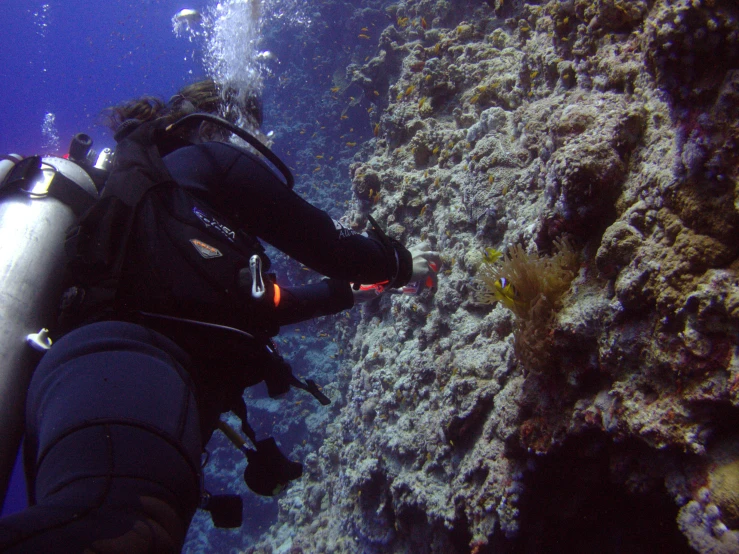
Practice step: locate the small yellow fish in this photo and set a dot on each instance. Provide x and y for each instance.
(375, 93)
(350, 144)
(423, 210)
(424, 25)
(344, 117)
(319, 157)
(365, 29)
(410, 90)
(366, 37)
(376, 129)
(491, 255)
(335, 89)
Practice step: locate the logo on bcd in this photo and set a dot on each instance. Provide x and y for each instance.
(209, 221)
(206, 250)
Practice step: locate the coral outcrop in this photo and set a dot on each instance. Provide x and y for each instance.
(609, 123)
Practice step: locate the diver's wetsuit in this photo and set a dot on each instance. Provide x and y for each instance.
(117, 412)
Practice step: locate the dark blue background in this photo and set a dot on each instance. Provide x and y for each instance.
(94, 54)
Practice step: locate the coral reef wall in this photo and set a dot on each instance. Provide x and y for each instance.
(611, 123)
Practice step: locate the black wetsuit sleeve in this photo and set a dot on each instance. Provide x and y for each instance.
(243, 187)
(302, 303)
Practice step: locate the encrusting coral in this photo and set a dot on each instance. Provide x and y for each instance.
(522, 123)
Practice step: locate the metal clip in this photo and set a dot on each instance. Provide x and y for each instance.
(257, 283)
(39, 341)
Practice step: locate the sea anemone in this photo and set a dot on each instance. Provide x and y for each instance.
(528, 283)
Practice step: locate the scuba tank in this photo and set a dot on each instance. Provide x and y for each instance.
(40, 198)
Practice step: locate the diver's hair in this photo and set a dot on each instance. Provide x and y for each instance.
(203, 96)
(145, 108)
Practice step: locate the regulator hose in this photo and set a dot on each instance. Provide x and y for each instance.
(241, 133)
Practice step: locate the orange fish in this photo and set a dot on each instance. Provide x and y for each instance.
(424, 25)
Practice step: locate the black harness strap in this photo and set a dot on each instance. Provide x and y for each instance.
(71, 194)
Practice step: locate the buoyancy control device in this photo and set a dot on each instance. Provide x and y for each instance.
(40, 197)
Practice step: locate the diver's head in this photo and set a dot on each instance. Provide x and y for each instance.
(204, 96)
(243, 105)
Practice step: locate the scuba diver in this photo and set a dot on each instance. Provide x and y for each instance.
(167, 315)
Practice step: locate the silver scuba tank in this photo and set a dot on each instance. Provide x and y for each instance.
(33, 226)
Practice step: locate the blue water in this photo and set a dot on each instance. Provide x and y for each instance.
(73, 57)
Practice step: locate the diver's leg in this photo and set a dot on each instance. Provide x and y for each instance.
(113, 446)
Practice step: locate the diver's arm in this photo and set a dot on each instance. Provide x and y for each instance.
(296, 304)
(269, 210)
(311, 237)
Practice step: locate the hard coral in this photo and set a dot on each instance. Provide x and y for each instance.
(724, 484)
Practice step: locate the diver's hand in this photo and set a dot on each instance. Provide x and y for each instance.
(425, 265)
(365, 293)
